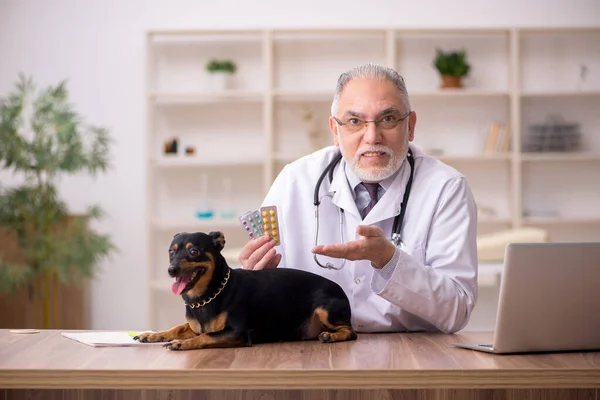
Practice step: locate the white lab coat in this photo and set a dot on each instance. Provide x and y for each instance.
(433, 286)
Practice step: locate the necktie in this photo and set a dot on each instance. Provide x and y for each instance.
(372, 189)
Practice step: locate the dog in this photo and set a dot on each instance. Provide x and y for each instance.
(231, 307)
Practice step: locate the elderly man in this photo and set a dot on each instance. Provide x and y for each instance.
(396, 228)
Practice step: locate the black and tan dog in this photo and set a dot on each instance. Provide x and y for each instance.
(228, 307)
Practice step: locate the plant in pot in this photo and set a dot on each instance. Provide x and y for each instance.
(45, 247)
(452, 66)
(221, 72)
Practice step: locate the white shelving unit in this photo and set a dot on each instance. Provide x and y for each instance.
(248, 132)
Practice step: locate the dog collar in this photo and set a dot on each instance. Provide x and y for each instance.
(211, 298)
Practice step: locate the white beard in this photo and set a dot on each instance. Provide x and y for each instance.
(378, 175)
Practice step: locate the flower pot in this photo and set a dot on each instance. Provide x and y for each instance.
(219, 81)
(43, 302)
(450, 81)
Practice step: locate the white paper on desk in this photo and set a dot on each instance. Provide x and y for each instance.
(106, 339)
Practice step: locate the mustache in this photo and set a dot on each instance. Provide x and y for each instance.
(375, 148)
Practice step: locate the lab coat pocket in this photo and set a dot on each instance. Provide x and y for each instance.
(415, 250)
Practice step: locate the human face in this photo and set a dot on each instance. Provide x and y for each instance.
(373, 153)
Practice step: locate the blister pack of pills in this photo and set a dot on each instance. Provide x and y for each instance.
(271, 222)
(262, 222)
(252, 223)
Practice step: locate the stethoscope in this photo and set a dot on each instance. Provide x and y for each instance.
(398, 220)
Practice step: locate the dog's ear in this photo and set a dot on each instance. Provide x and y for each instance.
(178, 233)
(218, 239)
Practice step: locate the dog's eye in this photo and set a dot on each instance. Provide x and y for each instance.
(194, 252)
(171, 252)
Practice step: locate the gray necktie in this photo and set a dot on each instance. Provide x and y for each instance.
(372, 189)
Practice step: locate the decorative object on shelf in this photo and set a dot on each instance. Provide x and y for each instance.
(435, 151)
(555, 135)
(45, 247)
(221, 72)
(539, 213)
(452, 66)
(190, 150)
(315, 135)
(486, 212)
(227, 209)
(204, 210)
(583, 72)
(170, 146)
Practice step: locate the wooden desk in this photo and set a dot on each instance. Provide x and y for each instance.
(389, 366)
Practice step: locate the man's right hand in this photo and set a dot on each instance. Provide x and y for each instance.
(260, 253)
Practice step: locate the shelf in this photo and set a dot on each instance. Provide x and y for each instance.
(562, 220)
(458, 93)
(520, 76)
(198, 160)
(327, 95)
(199, 98)
(193, 36)
(195, 224)
(489, 274)
(473, 158)
(574, 93)
(494, 220)
(551, 157)
(303, 96)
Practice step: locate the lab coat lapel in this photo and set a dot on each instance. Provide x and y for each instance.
(343, 197)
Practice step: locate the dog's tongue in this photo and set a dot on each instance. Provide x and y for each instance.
(180, 284)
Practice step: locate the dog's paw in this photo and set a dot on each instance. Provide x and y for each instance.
(176, 345)
(149, 337)
(326, 337)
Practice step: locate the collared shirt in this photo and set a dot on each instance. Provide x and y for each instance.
(361, 195)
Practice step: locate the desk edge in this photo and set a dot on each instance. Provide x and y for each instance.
(299, 379)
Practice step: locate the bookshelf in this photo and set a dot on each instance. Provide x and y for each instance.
(246, 134)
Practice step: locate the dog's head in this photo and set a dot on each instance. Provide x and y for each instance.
(193, 258)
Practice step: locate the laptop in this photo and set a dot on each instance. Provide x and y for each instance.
(549, 299)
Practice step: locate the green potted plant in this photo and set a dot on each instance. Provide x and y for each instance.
(221, 72)
(43, 139)
(452, 66)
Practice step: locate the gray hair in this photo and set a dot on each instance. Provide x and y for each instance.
(372, 71)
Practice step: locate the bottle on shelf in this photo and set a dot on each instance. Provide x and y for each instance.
(227, 209)
(204, 210)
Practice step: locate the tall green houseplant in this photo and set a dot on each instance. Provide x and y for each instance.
(42, 138)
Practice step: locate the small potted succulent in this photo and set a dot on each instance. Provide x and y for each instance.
(452, 66)
(221, 71)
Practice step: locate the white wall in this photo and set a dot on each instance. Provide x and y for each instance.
(99, 47)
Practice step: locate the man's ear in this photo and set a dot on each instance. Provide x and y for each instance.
(334, 131)
(412, 122)
(218, 239)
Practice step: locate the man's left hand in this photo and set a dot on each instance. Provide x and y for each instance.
(372, 245)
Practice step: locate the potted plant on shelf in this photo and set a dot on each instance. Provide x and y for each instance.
(44, 247)
(452, 66)
(221, 72)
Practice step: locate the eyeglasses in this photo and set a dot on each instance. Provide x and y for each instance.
(353, 124)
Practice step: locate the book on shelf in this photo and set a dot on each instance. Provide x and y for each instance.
(498, 138)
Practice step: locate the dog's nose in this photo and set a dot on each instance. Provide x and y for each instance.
(173, 270)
